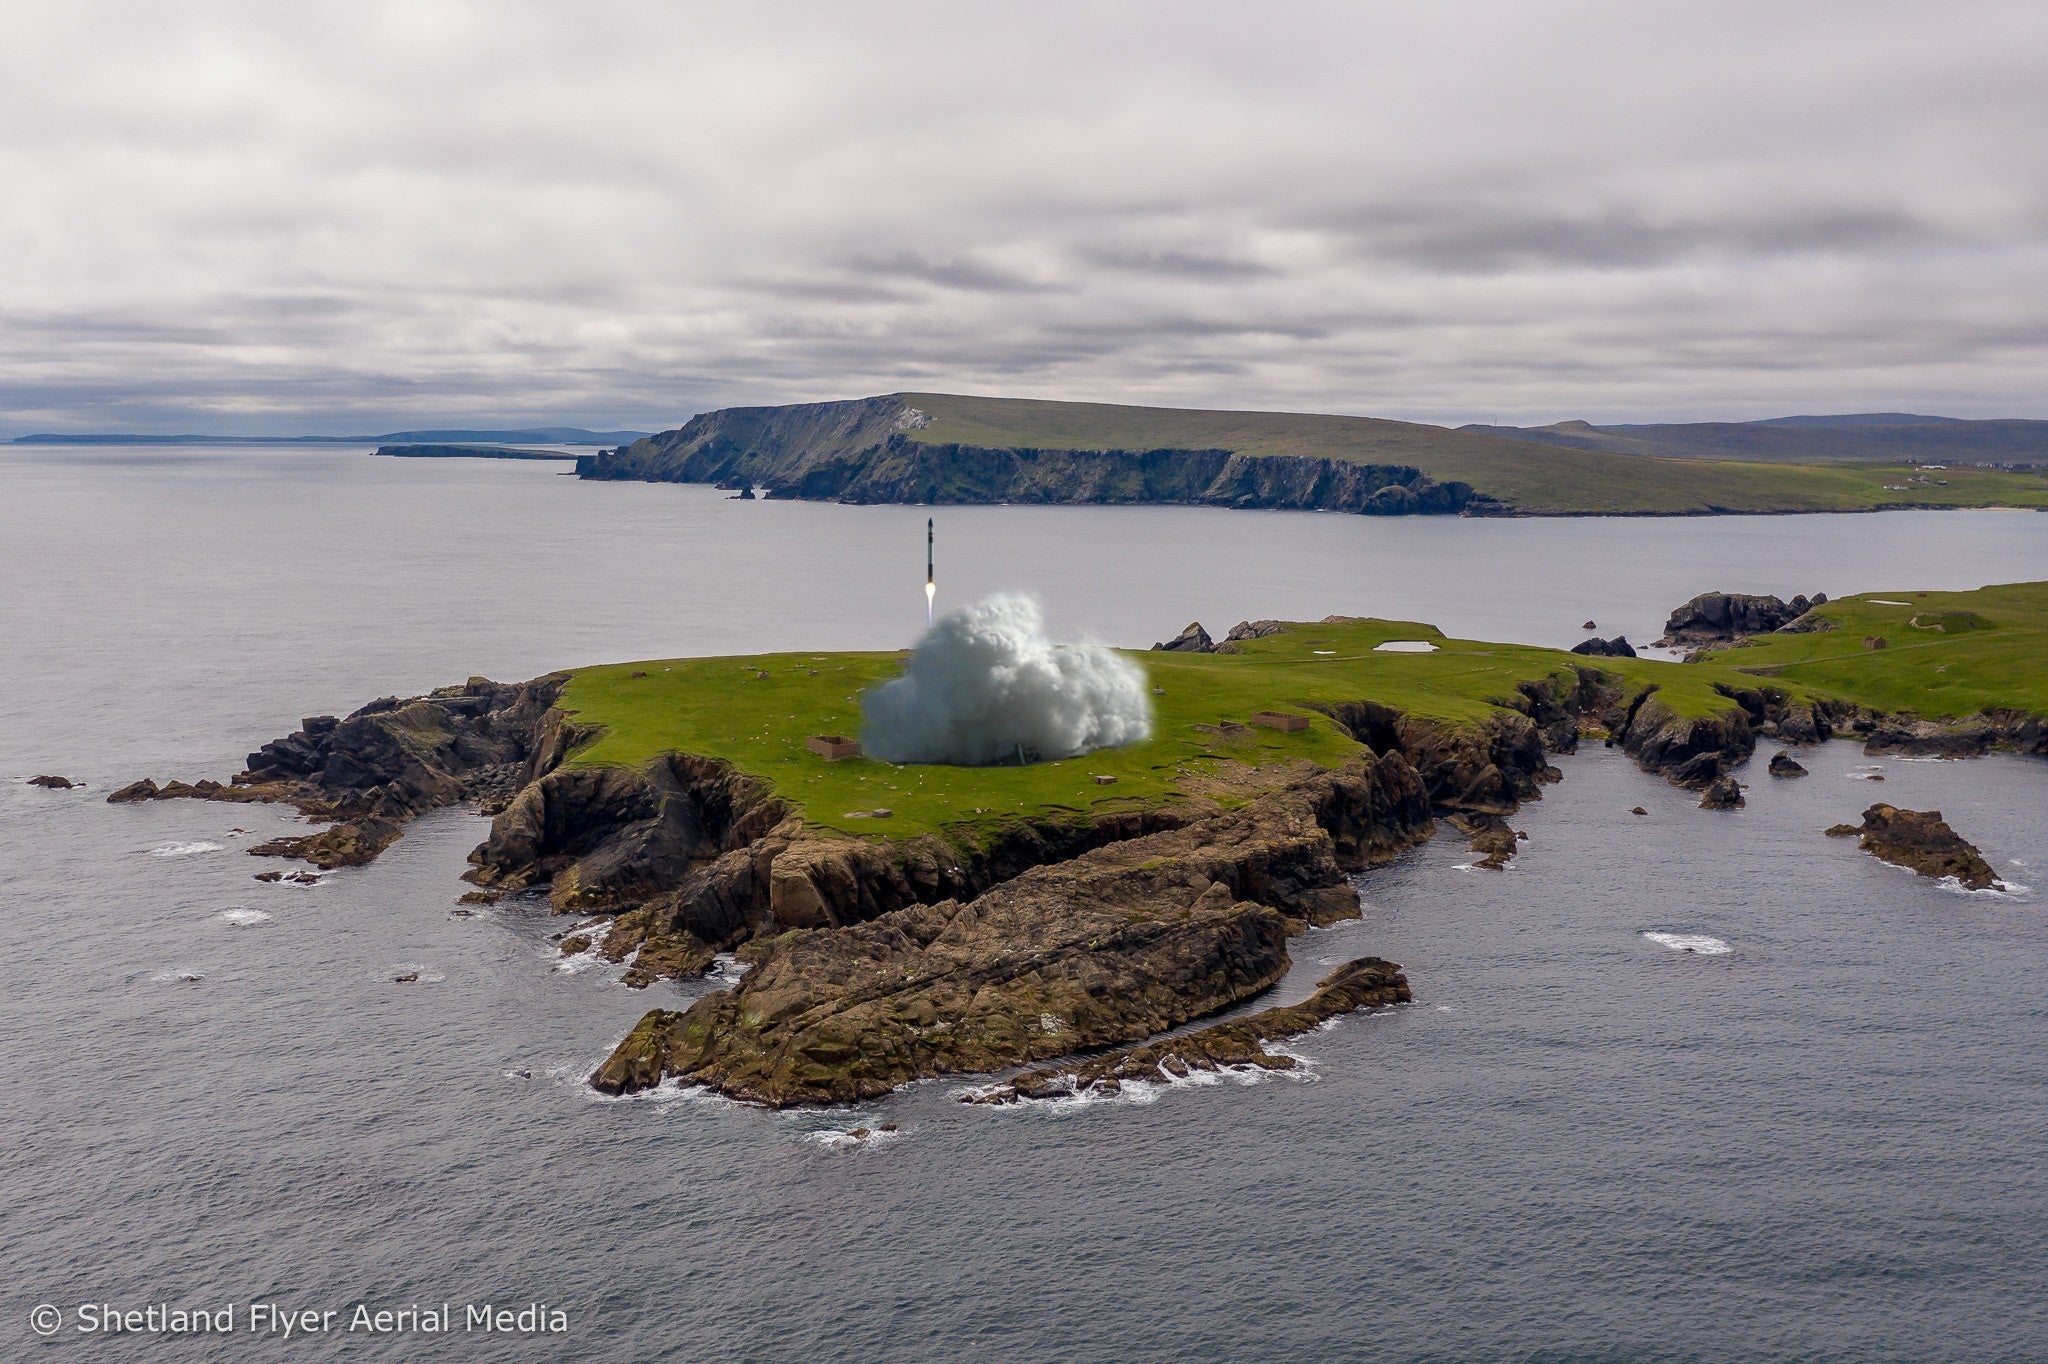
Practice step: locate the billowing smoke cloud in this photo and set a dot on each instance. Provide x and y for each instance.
(985, 685)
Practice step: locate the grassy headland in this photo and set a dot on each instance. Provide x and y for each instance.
(757, 712)
(1533, 478)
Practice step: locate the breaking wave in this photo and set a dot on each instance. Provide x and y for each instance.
(1698, 943)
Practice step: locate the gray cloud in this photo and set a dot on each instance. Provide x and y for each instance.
(247, 217)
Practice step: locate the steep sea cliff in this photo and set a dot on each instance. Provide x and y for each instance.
(858, 452)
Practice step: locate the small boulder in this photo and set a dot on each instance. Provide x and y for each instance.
(52, 783)
(1724, 794)
(1618, 647)
(1784, 765)
(1589, 625)
(1639, 810)
(133, 791)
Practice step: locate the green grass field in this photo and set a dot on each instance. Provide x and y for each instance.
(1947, 654)
(726, 708)
(1535, 478)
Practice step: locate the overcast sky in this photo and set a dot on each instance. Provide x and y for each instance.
(358, 217)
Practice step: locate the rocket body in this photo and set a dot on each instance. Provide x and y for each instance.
(930, 584)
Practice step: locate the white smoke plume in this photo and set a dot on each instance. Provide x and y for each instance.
(985, 685)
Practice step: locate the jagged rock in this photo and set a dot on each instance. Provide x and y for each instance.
(1718, 617)
(1192, 640)
(390, 761)
(1590, 625)
(1248, 629)
(1723, 794)
(1366, 983)
(1783, 764)
(52, 783)
(1618, 647)
(1689, 751)
(1923, 841)
(343, 845)
(1491, 838)
(1109, 947)
(1638, 810)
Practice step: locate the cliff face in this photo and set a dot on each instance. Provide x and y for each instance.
(858, 452)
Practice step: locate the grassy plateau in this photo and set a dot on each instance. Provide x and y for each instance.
(1949, 654)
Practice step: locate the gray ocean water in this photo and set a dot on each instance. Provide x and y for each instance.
(1819, 1135)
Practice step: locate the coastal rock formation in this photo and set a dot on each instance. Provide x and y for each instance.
(1724, 794)
(859, 452)
(1491, 839)
(1366, 983)
(1720, 617)
(1783, 764)
(1923, 841)
(1110, 947)
(1193, 640)
(1969, 737)
(50, 783)
(369, 774)
(1618, 647)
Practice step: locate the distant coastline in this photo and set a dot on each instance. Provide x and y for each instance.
(536, 435)
(472, 452)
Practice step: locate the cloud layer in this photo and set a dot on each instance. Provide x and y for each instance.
(254, 217)
(985, 685)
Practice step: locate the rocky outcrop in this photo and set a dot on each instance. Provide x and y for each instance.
(1192, 640)
(1618, 647)
(1486, 767)
(1923, 841)
(369, 774)
(1492, 840)
(51, 783)
(1107, 948)
(859, 452)
(1783, 764)
(1968, 737)
(1721, 617)
(1724, 793)
(1367, 983)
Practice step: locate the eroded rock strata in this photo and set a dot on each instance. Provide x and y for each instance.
(1366, 983)
(1106, 948)
(1923, 841)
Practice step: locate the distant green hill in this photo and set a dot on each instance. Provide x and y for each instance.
(1861, 436)
(950, 448)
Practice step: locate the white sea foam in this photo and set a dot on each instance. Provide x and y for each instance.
(176, 978)
(2011, 890)
(240, 916)
(184, 849)
(1698, 943)
(726, 969)
(588, 957)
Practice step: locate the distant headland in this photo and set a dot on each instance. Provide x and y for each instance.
(535, 435)
(952, 449)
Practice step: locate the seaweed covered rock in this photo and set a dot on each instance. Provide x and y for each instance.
(1922, 841)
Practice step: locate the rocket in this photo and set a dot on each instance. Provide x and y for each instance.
(931, 589)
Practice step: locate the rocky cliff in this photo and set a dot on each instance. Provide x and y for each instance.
(858, 452)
